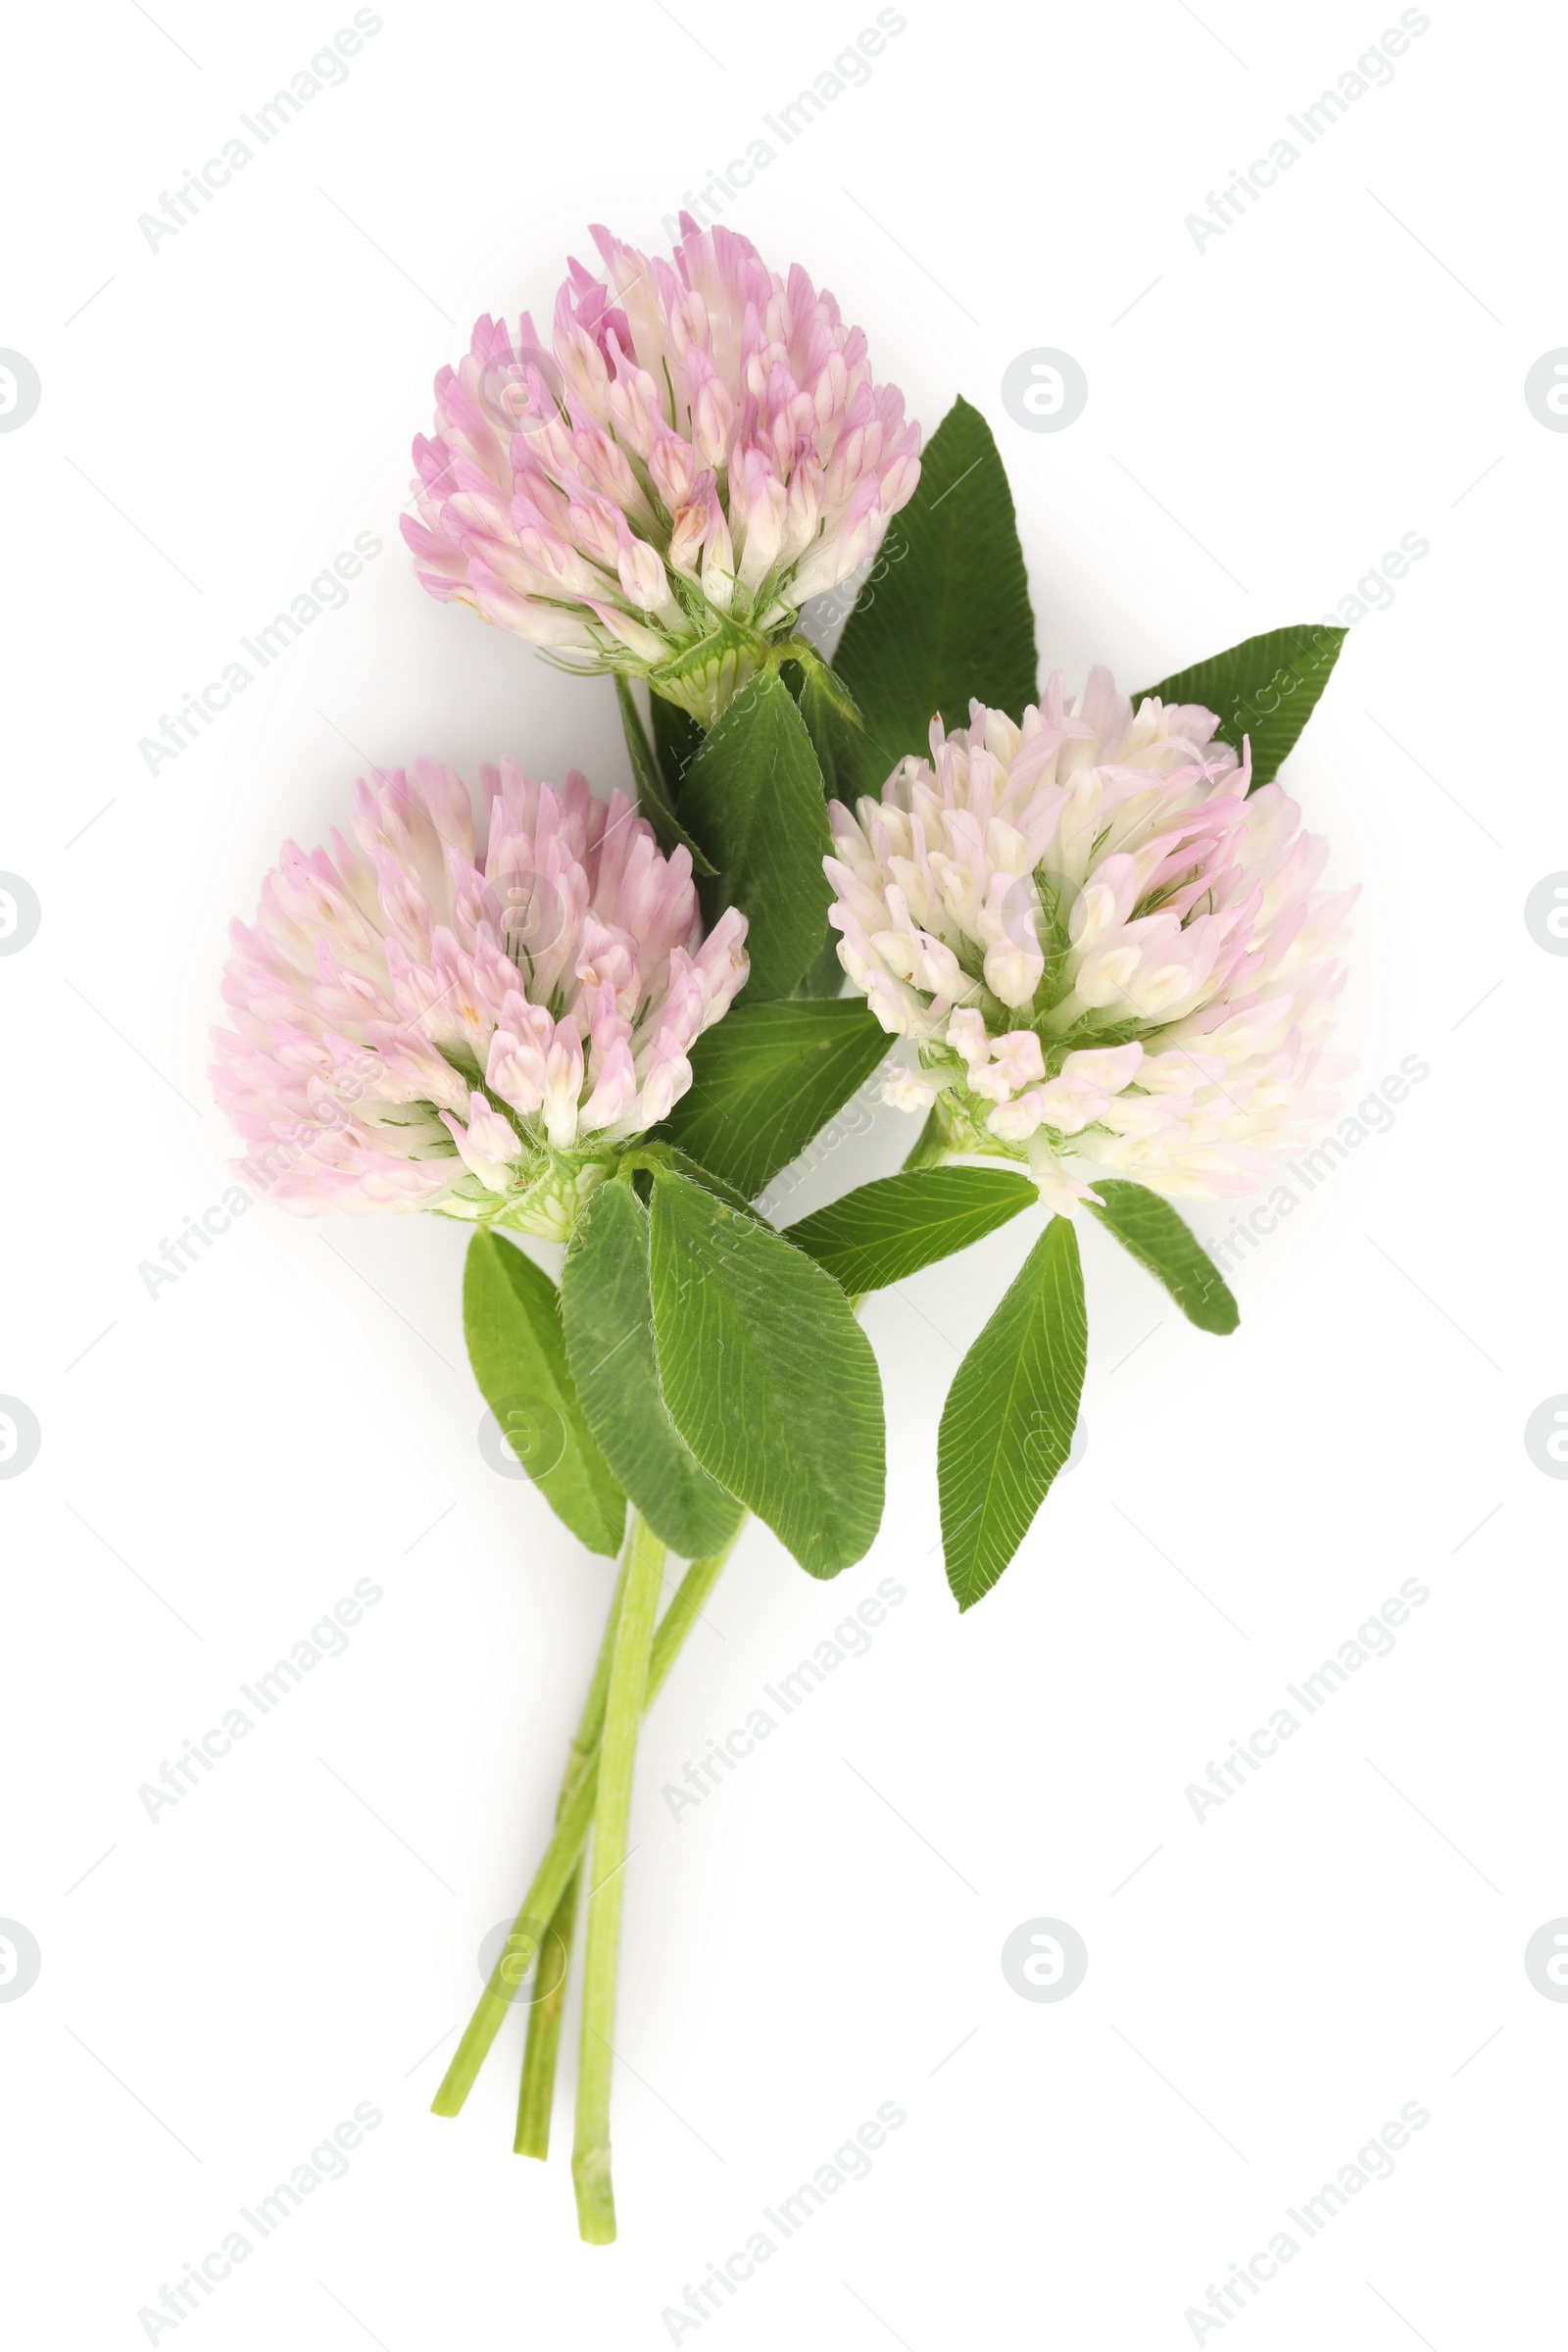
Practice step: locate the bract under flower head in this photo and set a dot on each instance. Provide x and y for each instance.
(698, 448)
(1111, 960)
(425, 1022)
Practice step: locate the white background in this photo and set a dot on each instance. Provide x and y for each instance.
(220, 1463)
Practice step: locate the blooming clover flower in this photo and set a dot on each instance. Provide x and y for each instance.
(421, 1023)
(1109, 958)
(700, 450)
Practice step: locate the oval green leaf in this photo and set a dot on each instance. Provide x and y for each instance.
(850, 759)
(1150, 1230)
(678, 739)
(684, 1165)
(512, 1322)
(1266, 688)
(945, 613)
(766, 1079)
(608, 1315)
(653, 795)
(753, 799)
(890, 1229)
(766, 1375)
(1008, 1425)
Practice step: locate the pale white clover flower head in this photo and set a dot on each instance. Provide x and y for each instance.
(1111, 960)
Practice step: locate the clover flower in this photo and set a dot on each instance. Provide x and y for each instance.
(422, 1024)
(1109, 958)
(700, 449)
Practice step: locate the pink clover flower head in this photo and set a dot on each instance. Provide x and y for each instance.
(1110, 957)
(473, 1019)
(658, 488)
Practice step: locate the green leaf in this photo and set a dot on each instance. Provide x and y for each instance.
(766, 1078)
(887, 1230)
(852, 761)
(1008, 1425)
(823, 976)
(512, 1322)
(766, 1373)
(653, 797)
(945, 615)
(678, 739)
(685, 1165)
(1149, 1229)
(752, 796)
(609, 1318)
(1266, 688)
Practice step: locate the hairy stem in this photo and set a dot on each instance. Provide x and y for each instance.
(617, 1753)
(561, 1856)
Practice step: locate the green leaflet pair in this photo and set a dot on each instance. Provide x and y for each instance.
(697, 1365)
(701, 1368)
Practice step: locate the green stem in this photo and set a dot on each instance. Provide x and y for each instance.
(930, 1145)
(540, 1903)
(683, 1612)
(536, 2092)
(529, 1930)
(585, 1738)
(802, 650)
(617, 1752)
